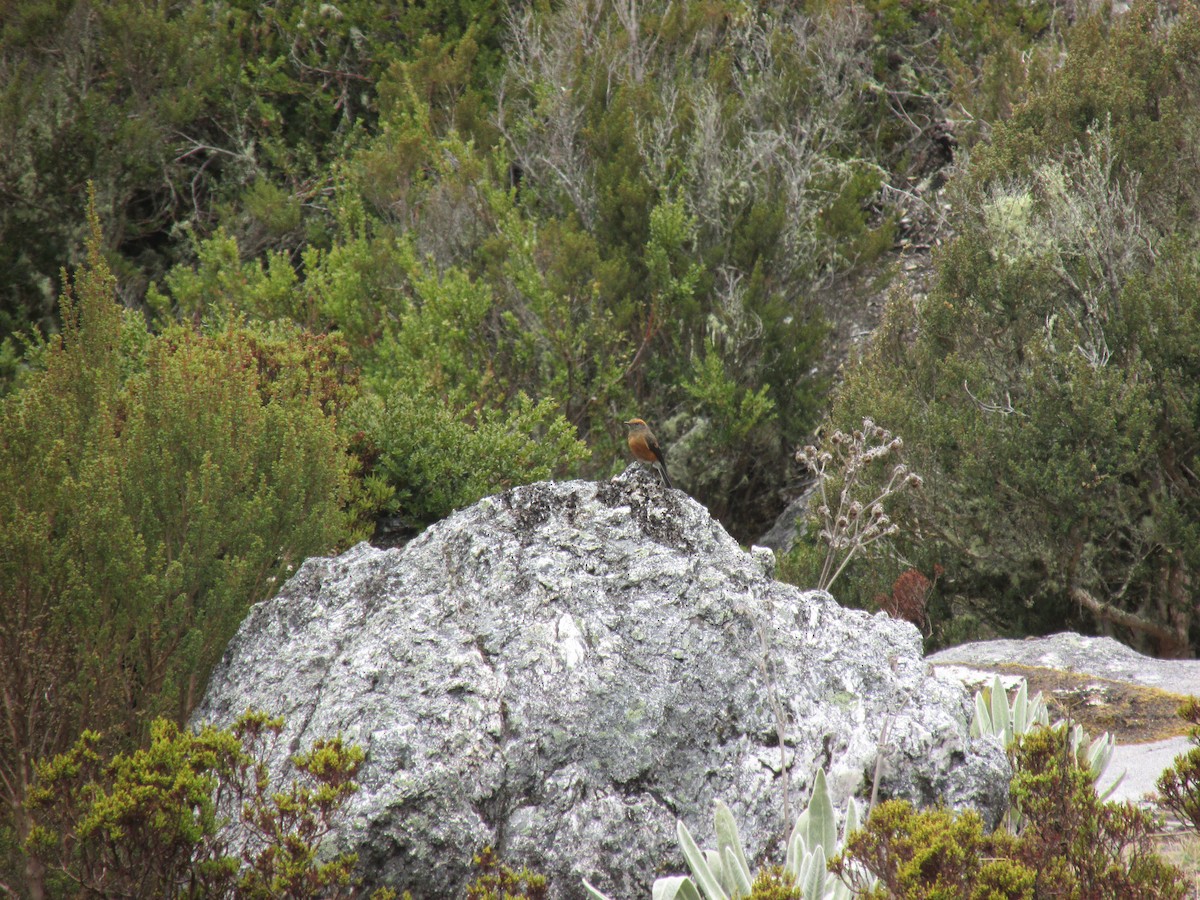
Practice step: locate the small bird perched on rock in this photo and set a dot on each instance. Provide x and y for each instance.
(644, 445)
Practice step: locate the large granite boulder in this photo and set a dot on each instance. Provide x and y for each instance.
(563, 670)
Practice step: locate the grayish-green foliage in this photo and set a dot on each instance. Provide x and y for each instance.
(1049, 381)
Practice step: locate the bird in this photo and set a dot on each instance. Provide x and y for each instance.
(644, 445)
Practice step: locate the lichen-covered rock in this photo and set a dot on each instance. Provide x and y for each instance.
(1071, 652)
(563, 670)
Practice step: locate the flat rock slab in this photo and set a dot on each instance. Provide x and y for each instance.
(1070, 652)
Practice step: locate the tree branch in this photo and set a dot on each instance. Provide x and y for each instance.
(1170, 638)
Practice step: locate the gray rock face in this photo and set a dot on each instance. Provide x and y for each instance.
(789, 525)
(1071, 652)
(564, 669)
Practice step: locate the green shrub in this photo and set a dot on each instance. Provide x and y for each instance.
(934, 853)
(1071, 845)
(1179, 785)
(1048, 383)
(1079, 845)
(152, 488)
(1136, 72)
(149, 823)
(440, 417)
(497, 881)
(774, 883)
(932, 59)
(438, 457)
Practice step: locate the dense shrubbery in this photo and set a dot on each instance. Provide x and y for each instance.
(150, 823)
(1049, 382)
(196, 113)
(1070, 845)
(636, 207)
(152, 488)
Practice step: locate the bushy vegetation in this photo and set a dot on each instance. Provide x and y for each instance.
(607, 209)
(1048, 383)
(496, 881)
(151, 823)
(193, 114)
(1179, 785)
(937, 853)
(1070, 844)
(352, 259)
(152, 488)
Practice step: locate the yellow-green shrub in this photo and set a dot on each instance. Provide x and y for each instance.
(152, 488)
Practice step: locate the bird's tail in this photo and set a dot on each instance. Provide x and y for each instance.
(662, 469)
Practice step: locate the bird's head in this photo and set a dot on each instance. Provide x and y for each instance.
(635, 423)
